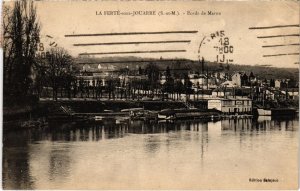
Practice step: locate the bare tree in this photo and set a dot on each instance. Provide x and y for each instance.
(58, 69)
(20, 30)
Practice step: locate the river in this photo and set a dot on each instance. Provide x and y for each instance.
(115, 154)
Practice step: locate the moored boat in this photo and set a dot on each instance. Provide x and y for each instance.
(170, 114)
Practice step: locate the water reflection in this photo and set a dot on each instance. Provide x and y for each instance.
(16, 169)
(56, 156)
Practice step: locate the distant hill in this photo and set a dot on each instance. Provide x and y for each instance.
(134, 63)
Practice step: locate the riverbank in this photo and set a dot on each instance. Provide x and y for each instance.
(14, 117)
(17, 115)
(98, 106)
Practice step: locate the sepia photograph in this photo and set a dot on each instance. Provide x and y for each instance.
(150, 95)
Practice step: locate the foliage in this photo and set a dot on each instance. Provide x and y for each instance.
(152, 71)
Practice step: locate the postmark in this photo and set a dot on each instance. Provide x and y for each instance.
(216, 47)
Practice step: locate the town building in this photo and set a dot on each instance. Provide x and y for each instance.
(222, 92)
(236, 78)
(277, 83)
(198, 80)
(92, 72)
(232, 105)
(130, 78)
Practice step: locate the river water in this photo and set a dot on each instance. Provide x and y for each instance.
(115, 154)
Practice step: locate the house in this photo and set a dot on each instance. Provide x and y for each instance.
(91, 80)
(86, 67)
(130, 78)
(277, 83)
(292, 93)
(242, 79)
(222, 92)
(198, 80)
(232, 105)
(236, 78)
(229, 84)
(97, 68)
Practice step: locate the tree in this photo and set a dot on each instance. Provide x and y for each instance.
(292, 83)
(168, 86)
(168, 73)
(251, 76)
(58, 64)
(20, 40)
(272, 83)
(188, 86)
(179, 88)
(140, 70)
(152, 72)
(244, 80)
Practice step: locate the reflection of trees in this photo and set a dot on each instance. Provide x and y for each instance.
(236, 124)
(15, 164)
(152, 144)
(16, 170)
(262, 123)
(204, 139)
(109, 128)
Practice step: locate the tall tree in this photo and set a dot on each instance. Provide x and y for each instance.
(152, 72)
(20, 39)
(188, 86)
(168, 73)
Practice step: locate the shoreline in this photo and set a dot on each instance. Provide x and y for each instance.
(45, 108)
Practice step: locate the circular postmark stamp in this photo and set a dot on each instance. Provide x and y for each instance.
(216, 47)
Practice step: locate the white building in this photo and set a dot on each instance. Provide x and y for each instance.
(231, 105)
(237, 79)
(197, 80)
(277, 83)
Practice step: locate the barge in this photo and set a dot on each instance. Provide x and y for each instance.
(171, 114)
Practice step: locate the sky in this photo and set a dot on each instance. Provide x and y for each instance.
(234, 18)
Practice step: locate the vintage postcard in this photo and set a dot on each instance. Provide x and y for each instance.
(150, 95)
